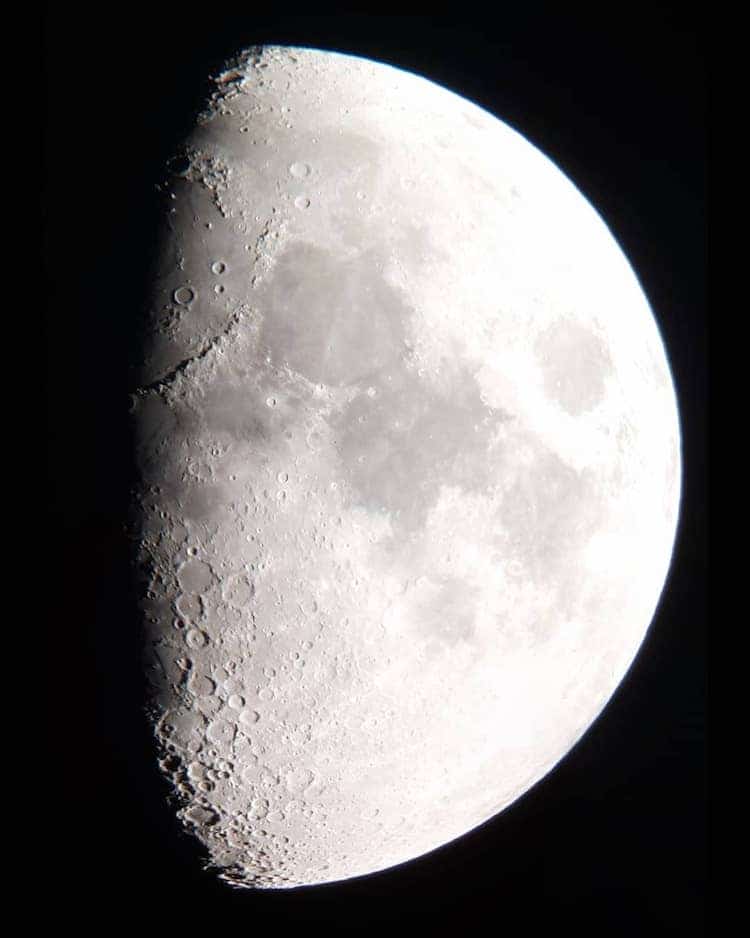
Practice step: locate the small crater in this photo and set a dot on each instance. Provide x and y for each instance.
(196, 639)
(189, 606)
(298, 780)
(202, 816)
(184, 295)
(195, 576)
(220, 731)
(200, 685)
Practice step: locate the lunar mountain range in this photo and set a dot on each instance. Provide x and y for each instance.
(409, 466)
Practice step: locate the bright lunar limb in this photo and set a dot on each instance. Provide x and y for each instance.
(410, 469)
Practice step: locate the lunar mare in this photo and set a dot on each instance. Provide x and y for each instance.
(409, 469)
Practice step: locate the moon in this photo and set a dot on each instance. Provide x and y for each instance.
(410, 469)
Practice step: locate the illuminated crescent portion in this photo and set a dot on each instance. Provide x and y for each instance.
(410, 469)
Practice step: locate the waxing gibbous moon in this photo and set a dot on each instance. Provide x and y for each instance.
(409, 469)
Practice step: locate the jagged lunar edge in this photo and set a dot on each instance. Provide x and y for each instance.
(410, 469)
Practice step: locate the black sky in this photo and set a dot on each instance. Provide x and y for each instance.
(613, 841)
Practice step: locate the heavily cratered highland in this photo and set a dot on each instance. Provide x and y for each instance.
(410, 469)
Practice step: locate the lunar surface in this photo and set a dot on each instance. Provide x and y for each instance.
(409, 466)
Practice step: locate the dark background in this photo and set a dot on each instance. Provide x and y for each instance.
(613, 841)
